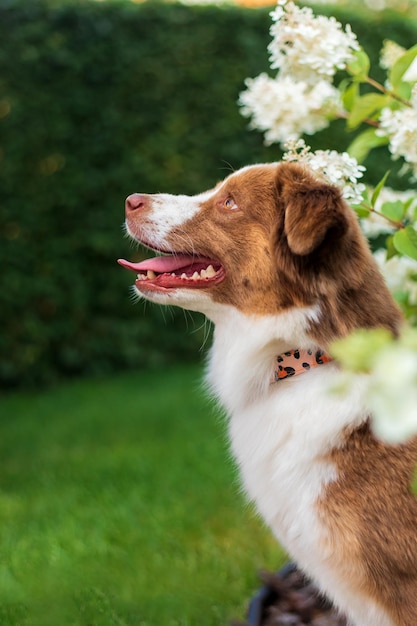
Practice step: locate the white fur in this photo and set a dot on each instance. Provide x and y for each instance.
(279, 434)
(170, 211)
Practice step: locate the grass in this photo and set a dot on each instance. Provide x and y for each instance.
(119, 507)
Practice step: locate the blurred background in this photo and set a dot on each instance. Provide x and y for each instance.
(118, 503)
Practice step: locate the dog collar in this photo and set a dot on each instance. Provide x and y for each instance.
(296, 362)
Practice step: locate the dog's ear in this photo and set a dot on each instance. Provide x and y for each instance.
(313, 210)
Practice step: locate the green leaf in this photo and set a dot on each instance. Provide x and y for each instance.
(359, 350)
(364, 107)
(393, 210)
(389, 245)
(359, 66)
(404, 90)
(379, 187)
(360, 210)
(401, 66)
(411, 209)
(365, 196)
(405, 241)
(364, 143)
(349, 94)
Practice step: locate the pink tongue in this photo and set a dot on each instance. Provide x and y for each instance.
(163, 264)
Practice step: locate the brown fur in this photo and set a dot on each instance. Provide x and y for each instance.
(295, 242)
(371, 513)
(332, 262)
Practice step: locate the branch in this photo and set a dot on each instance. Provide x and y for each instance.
(398, 225)
(344, 116)
(387, 92)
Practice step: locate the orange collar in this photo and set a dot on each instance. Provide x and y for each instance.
(296, 362)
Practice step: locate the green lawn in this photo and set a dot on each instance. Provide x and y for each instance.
(119, 507)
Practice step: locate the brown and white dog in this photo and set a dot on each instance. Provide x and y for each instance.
(277, 261)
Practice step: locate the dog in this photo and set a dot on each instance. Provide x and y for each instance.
(275, 258)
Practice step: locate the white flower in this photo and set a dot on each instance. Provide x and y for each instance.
(374, 5)
(285, 108)
(410, 76)
(308, 47)
(390, 53)
(401, 128)
(392, 393)
(336, 168)
(399, 273)
(378, 5)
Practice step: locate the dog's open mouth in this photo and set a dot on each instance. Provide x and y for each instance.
(175, 271)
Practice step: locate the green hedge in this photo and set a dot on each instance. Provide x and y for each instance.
(98, 100)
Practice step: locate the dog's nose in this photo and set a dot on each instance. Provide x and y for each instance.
(135, 202)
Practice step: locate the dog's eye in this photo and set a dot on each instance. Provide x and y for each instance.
(230, 204)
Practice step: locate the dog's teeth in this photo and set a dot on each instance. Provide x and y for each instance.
(208, 272)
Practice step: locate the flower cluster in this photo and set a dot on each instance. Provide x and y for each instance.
(307, 47)
(402, 6)
(390, 53)
(388, 378)
(307, 51)
(391, 388)
(336, 168)
(400, 126)
(399, 273)
(284, 108)
(394, 394)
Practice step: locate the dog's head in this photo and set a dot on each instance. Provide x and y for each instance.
(267, 238)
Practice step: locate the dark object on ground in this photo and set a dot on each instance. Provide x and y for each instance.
(289, 599)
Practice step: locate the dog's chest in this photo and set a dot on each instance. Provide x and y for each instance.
(282, 433)
(281, 441)
(283, 472)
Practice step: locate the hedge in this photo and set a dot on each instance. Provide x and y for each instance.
(98, 100)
